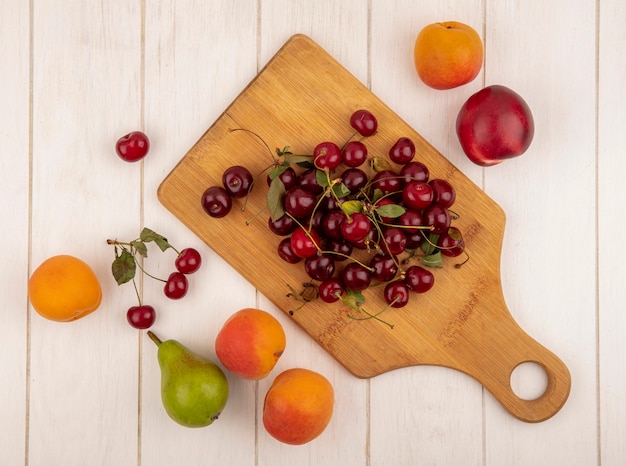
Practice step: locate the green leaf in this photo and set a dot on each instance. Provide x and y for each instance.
(350, 207)
(286, 151)
(353, 299)
(278, 170)
(321, 178)
(147, 235)
(380, 164)
(433, 260)
(430, 245)
(340, 190)
(140, 247)
(390, 210)
(275, 198)
(378, 194)
(123, 267)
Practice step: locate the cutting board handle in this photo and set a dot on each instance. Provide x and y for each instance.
(523, 348)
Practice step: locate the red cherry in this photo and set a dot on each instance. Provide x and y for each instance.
(176, 285)
(141, 317)
(132, 147)
(364, 122)
(304, 243)
(327, 155)
(403, 151)
(188, 261)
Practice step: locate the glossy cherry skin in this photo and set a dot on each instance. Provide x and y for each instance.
(319, 267)
(237, 181)
(287, 176)
(141, 317)
(403, 151)
(364, 122)
(216, 202)
(299, 202)
(327, 155)
(414, 171)
(354, 179)
(356, 277)
(396, 294)
(394, 240)
(188, 261)
(388, 181)
(384, 267)
(356, 227)
(451, 242)
(282, 226)
(304, 244)
(354, 154)
(494, 124)
(331, 290)
(286, 253)
(417, 195)
(419, 279)
(438, 218)
(444, 193)
(176, 285)
(133, 146)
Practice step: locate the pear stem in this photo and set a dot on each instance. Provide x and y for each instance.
(154, 338)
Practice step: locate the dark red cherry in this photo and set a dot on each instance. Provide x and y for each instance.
(188, 261)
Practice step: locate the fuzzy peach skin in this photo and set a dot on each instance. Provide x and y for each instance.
(250, 343)
(298, 406)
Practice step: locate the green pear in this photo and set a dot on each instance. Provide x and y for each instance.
(194, 390)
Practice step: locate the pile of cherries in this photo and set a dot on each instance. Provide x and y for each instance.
(337, 201)
(126, 263)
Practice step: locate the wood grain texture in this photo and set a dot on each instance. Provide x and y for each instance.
(612, 294)
(85, 395)
(14, 211)
(463, 323)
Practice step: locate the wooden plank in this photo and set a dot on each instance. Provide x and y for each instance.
(83, 403)
(550, 291)
(465, 305)
(14, 210)
(428, 405)
(198, 56)
(350, 421)
(611, 167)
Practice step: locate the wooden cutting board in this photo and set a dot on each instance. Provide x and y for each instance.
(302, 97)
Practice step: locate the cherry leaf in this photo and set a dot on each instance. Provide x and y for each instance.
(433, 260)
(140, 247)
(350, 207)
(380, 164)
(123, 267)
(340, 190)
(147, 235)
(275, 198)
(278, 170)
(390, 210)
(321, 178)
(430, 245)
(353, 299)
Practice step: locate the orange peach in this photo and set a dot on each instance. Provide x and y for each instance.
(298, 406)
(250, 343)
(448, 54)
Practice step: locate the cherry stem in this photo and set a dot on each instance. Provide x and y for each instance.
(258, 137)
(349, 139)
(372, 316)
(136, 291)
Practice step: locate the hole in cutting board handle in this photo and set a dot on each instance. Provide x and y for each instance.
(529, 381)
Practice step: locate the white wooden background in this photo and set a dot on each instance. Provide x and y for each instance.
(77, 74)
